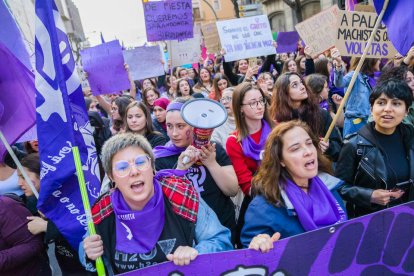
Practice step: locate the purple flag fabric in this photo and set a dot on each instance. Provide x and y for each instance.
(17, 101)
(105, 67)
(62, 122)
(398, 17)
(168, 20)
(287, 42)
(11, 37)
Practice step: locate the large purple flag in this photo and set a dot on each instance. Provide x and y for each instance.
(399, 19)
(62, 122)
(17, 101)
(11, 37)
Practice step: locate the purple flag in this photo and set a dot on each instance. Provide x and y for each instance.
(17, 101)
(11, 37)
(62, 122)
(105, 67)
(168, 20)
(377, 244)
(399, 19)
(287, 42)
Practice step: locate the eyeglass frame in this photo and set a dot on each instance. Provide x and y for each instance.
(255, 104)
(227, 98)
(148, 165)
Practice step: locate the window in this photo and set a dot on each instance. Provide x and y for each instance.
(216, 5)
(277, 22)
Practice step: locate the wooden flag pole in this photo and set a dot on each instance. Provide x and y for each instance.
(356, 72)
(19, 165)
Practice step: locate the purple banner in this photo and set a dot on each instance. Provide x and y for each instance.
(379, 244)
(105, 67)
(168, 20)
(287, 42)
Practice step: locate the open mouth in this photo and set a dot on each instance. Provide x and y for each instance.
(387, 117)
(137, 186)
(310, 164)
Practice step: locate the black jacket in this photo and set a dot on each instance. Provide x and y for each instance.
(362, 165)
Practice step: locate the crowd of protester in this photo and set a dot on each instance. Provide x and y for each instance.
(267, 174)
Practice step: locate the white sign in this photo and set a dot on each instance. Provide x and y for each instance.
(246, 37)
(185, 52)
(144, 62)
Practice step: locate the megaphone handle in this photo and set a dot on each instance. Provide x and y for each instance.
(186, 159)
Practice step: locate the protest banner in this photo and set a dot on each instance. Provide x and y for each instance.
(168, 20)
(185, 52)
(287, 42)
(141, 68)
(353, 31)
(246, 37)
(378, 244)
(211, 37)
(318, 31)
(105, 67)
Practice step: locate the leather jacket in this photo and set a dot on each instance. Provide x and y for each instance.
(362, 166)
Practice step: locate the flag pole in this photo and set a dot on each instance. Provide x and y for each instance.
(86, 205)
(19, 165)
(356, 72)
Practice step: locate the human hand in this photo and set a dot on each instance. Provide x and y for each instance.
(323, 145)
(410, 56)
(308, 52)
(36, 225)
(383, 197)
(274, 43)
(337, 99)
(187, 158)
(93, 246)
(336, 55)
(207, 155)
(251, 72)
(264, 242)
(126, 67)
(222, 51)
(183, 255)
(262, 84)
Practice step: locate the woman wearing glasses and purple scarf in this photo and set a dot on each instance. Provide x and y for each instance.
(149, 219)
(290, 196)
(209, 168)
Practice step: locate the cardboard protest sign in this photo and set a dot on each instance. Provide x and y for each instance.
(376, 244)
(105, 67)
(353, 32)
(318, 31)
(287, 42)
(246, 37)
(148, 67)
(168, 20)
(185, 51)
(211, 37)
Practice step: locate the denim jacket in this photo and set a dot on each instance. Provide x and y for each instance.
(358, 102)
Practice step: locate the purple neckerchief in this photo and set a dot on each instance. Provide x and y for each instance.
(324, 105)
(316, 209)
(249, 146)
(169, 149)
(138, 231)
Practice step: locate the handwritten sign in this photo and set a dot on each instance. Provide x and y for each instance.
(168, 20)
(105, 67)
(353, 32)
(148, 67)
(246, 37)
(287, 42)
(318, 31)
(378, 244)
(185, 51)
(211, 37)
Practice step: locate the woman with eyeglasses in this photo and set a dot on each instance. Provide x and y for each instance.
(220, 82)
(149, 219)
(292, 101)
(245, 145)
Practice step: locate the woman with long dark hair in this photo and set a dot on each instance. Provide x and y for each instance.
(220, 82)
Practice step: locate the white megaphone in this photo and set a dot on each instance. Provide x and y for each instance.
(203, 115)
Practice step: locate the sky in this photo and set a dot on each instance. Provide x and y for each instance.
(121, 19)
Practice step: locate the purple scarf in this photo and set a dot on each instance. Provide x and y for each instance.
(316, 209)
(324, 105)
(168, 150)
(138, 231)
(249, 146)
